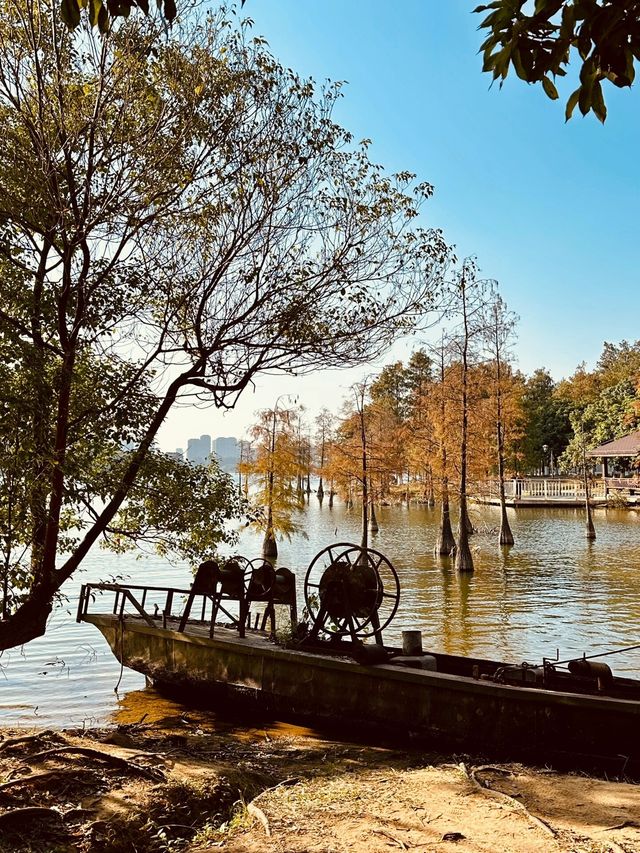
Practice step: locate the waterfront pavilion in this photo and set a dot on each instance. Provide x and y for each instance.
(624, 454)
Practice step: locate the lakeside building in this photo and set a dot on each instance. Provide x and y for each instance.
(620, 463)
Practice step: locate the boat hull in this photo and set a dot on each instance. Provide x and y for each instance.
(459, 712)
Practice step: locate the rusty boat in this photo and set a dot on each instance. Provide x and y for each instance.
(219, 641)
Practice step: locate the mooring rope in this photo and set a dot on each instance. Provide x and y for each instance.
(590, 657)
(121, 623)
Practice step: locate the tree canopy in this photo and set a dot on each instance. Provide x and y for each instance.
(539, 40)
(178, 213)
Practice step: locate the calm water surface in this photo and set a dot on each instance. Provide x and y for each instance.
(552, 590)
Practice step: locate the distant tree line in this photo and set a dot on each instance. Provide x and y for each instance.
(410, 422)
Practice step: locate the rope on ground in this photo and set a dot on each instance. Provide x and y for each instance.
(485, 789)
(121, 622)
(386, 834)
(285, 782)
(257, 812)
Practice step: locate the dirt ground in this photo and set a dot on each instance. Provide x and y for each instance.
(171, 786)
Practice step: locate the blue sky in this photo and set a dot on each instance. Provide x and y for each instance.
(549, 209)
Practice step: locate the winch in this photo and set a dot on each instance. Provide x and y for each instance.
(350, 591)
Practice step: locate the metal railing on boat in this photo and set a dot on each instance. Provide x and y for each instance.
(171, 607)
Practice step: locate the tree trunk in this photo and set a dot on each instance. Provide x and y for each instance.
(506, 536)
(373, 521)
(464, 559)
(320, 491)
(364, 542)
(464, 515)
(29, 621)
(590, 530)
(446, 544)
(269, 546)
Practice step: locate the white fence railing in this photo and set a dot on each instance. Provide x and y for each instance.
(546, 488)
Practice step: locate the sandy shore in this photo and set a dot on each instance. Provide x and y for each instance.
(171, 786)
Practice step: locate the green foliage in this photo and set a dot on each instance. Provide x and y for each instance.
(541, 41)
(612, 415)
(390, 388)
(619, 363)
(101, 13)
(397, 387)
(178, 508)
(545, 421)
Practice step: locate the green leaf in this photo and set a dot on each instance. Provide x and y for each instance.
(597, 102)
(501, 62)
(584, 99)
(571, 104)
(550, 89)
(516, 59)
(568, 22)
(630, 69)
(70, 13)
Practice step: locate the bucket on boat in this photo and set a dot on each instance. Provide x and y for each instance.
(412, 642)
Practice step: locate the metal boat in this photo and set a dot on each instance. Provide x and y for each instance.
(219, 640)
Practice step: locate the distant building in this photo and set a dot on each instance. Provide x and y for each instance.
(177, 455)
(227, 450)
(199, 450)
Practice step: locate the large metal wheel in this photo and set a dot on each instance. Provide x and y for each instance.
(350, 590)
(258, 576)
(259, 579)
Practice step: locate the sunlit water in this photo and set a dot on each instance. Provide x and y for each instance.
(552, 590)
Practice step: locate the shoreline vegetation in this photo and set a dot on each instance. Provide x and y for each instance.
(176, 784)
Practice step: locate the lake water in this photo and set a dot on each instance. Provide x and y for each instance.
(552, 590)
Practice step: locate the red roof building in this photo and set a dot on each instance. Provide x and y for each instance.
(628, 445)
